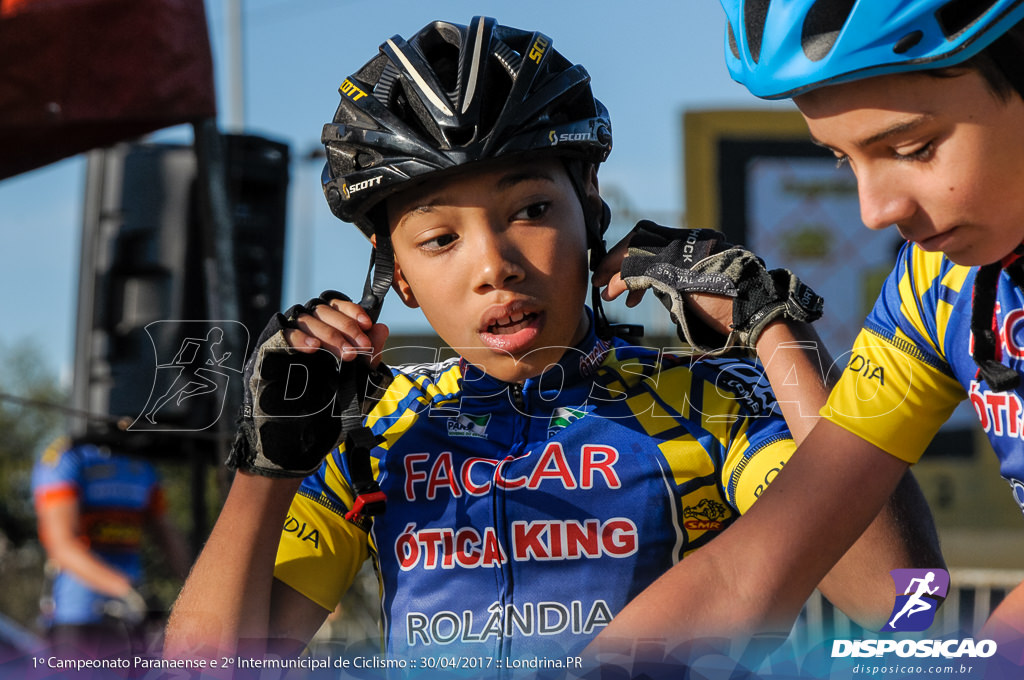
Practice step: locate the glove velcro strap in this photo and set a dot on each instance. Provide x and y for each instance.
(750, 286)
(769, 296)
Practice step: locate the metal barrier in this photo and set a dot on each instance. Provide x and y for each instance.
(973, 594)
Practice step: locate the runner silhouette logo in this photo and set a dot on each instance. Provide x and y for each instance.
(194, 365)
(919, 593)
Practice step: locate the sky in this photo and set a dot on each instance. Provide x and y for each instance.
(650, 60)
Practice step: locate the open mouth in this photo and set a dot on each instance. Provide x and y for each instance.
(513, 323)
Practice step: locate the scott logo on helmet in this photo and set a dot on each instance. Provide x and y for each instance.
(540, 46)
(349, 89)
(564, 137)
(348, 190)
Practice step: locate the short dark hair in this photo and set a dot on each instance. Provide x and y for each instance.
(1001, 64)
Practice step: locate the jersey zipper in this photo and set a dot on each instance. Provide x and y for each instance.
(521, 432)
(518, 399)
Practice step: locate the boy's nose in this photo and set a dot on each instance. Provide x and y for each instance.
(497, 261)
(884, 201)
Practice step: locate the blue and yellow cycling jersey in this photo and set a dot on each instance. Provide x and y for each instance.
(911, 364)
(521, 518)
(116, 496)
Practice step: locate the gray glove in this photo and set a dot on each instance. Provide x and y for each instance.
(677, 262)
(130, 608)
(286, 430)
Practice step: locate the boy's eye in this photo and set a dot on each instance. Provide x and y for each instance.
(921, 153)
(842, 160)
(438, 242)
(533, 211)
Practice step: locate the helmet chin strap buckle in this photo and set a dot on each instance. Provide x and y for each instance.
(371, 304)
(626, 330)
(605, 329)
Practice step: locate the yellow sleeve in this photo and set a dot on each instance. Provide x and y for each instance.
(756, 446)
(754, 473)
(892, 399)
(320, 551)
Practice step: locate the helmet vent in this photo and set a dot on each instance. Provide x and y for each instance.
(822, 25)
(446, 68)
(460, 136)
(733, 47)
(508, 57)
(907, 41)
(499, 86)
(365, 159)
(412, 112)
(955, 16)
(342, 160)
(755, 13)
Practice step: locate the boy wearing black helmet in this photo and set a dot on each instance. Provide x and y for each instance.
(924, 99)
(539, 480)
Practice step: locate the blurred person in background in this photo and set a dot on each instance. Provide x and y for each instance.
(94, 508)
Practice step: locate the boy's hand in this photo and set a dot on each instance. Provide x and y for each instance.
(713, 310)
(305, 361)
(719, 295)
(334, 323)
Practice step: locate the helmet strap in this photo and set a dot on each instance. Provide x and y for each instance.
(379, 276)
(987, 352)
(605, 329)
(596, 225)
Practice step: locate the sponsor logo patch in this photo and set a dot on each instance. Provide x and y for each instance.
(467, 425)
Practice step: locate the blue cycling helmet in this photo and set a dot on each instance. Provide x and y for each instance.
(781, 48)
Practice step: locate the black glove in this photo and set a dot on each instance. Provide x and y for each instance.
(677, 262)
(286, 430)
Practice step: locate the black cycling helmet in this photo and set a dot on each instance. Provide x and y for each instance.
(451, 96)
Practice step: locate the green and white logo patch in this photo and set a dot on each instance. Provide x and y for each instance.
(467, 425)
(563, 417)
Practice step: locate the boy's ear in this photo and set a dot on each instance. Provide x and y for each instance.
(403, 288)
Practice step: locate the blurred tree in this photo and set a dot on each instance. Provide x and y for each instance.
(30, 417)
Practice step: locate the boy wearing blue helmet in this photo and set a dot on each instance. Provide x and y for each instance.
(923, 99)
